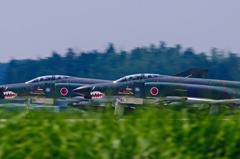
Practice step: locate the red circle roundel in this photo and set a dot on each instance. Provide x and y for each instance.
(154, 91)
(64, 91)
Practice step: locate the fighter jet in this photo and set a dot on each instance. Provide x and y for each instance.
(140, 89)
(46, 89)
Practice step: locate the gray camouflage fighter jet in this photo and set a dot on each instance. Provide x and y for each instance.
(139, 89)
(45, 89)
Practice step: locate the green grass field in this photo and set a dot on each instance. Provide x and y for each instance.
(143, 134)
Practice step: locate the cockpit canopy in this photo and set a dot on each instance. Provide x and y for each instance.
(47, 78)
(136, 77)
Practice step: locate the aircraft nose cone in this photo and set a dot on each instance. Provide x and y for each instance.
(1, 93)
(84, 91)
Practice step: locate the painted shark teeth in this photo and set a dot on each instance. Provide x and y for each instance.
(97, 95)
(9, 95)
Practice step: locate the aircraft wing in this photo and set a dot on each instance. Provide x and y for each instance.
(214, 104)
(226, 102)
(191, 100)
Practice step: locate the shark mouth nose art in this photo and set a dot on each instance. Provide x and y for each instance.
(97, 95)
(9, 95)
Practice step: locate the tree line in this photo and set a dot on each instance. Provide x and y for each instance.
(112, 64)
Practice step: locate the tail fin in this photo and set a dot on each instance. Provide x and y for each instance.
(194, 73)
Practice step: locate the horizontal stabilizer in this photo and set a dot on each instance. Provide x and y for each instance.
(194, 73)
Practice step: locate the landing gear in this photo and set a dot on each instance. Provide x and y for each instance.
(118, 108)
(28, 116)
(125, 105)
(214, 110)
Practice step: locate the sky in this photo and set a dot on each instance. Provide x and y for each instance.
(35, 28)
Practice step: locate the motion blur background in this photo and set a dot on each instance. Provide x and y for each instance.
(103, 39)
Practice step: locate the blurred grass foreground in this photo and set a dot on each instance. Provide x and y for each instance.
(145, 134)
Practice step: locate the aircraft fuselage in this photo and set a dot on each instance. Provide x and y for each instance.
(164, 86)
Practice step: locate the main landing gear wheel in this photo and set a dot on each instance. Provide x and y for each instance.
(214, 110)
(118, 108)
